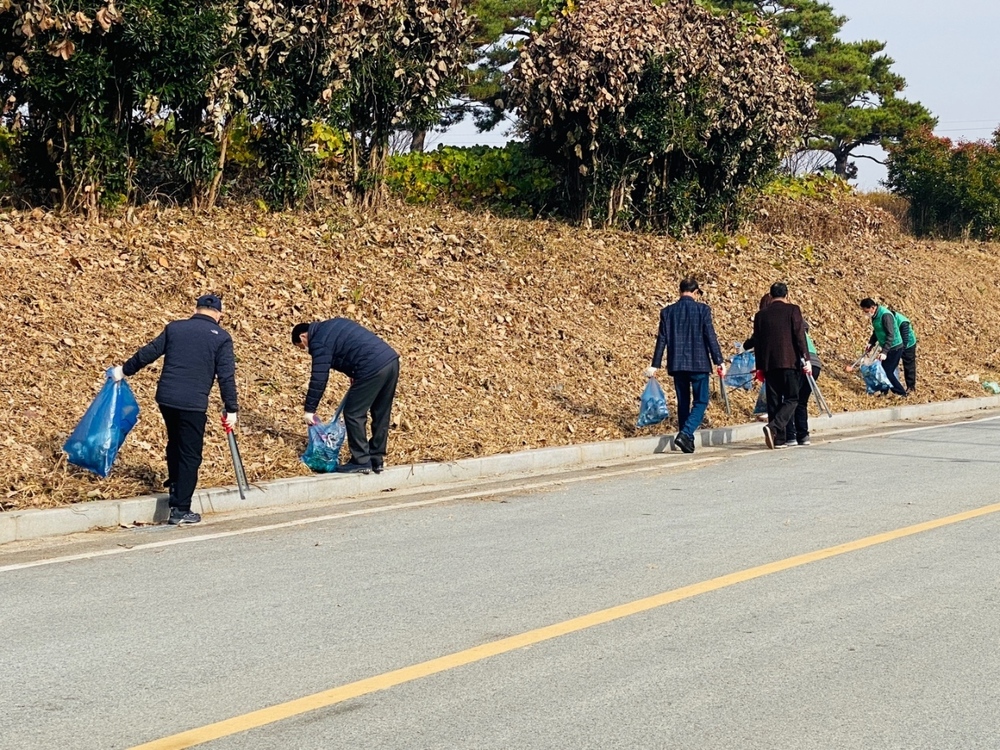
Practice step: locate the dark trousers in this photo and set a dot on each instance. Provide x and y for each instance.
(375, 395)
(798, 427)
(686, 385)
(185, 438)
(910, 367)
(782, 399)
(889, 364)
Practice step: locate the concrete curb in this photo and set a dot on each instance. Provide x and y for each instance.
(35, 524)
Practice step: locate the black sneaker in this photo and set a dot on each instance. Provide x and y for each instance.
(684, 442)
(804, 441)
(377, 465)
(769, 436)
(179, 517)
(352, 468)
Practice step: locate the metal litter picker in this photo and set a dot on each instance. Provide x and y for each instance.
(725, 394)
(817, 392)
(234, 452)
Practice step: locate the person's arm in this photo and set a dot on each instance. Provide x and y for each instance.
(146, 355)
(799, 337)
(322, 359)
(872, 341)
(225, 371)
(889, 324)
(712, 341)
(662, 340)
(904, 332)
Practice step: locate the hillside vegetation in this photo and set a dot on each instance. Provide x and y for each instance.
(513, 333)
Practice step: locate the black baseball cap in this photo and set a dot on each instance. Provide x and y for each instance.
(210, 301)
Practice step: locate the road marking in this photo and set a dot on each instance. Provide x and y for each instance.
(327, 698)
(360, 512)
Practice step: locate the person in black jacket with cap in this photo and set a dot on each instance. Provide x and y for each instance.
(373, 367)
(196, 352)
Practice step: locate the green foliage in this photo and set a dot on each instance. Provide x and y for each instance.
(652, 127)
(814, 187)
(507, 180)
(855, 88)
(953, 190)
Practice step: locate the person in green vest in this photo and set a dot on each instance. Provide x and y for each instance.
(886, 333)
(909, 337)
(797, 430)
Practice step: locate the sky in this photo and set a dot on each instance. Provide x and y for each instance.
(946, 50)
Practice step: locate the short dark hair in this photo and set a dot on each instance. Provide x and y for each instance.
(690, 284)
(297, 332)
(868, 303)
(779, 290)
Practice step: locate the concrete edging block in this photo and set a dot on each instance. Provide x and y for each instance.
(8, 528)
(34, 524)
(143, 510)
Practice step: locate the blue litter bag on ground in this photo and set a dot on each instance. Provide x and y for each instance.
(740, 373)
(875, 379)
(652, 405)
(94, 443)
(323, 450)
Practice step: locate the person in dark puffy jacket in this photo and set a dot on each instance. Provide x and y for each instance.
(196, 352)
(373, 367)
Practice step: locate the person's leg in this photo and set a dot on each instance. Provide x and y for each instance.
(889, 365)
(382, 413)
(798, 427)
(682, 389)
(910, 368)
(789, 380)
(773, 380)
(191, 434)
(357, 403)
(699, 389)
(171, 420)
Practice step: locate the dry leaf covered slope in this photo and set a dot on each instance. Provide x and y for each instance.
(513, 334)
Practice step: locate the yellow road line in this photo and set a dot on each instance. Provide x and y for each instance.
(326, 698)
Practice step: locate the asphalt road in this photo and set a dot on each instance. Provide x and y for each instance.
(888, 644)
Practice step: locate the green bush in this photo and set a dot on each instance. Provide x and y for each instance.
(508, 180)
(953, 190)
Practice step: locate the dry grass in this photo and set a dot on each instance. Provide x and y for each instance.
(513, 334)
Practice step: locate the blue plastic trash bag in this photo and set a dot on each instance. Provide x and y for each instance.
(323, 450)
(761, 406)
(740, 373)
(96, 440)
(875, 379)
(652, 405)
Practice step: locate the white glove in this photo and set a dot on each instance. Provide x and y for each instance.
(117, 374)
(650, 372)
(882, 357)
(309, 418)
(229, 420)
(807, 368)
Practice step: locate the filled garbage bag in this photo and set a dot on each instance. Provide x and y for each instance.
(95, 442)
(322, 453)
(652, 404)
(741, 371)
(874, 377)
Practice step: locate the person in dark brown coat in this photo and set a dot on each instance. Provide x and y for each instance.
(780, 349)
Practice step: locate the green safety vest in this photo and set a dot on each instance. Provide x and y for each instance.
(880, 332)
(810, 345)
(911, 340)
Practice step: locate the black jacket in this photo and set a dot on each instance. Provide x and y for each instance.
(346, 347)
(195, 351)
(779, 337)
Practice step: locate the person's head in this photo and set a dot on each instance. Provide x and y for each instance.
(869, 306)
(779, 290)
(210, 305)
(300, 335)
(765, 301)
(689, 286)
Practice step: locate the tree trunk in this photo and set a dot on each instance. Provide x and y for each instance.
(840, 163)
(419, 137)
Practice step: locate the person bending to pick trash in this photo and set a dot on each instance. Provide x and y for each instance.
(886, 326)
(688, 336)
(196, 352)
(373, 367)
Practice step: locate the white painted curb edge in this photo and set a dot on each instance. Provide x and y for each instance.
(35, 524)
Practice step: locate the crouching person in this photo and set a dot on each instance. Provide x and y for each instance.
(373, 367)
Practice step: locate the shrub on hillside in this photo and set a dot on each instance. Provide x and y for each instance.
(953, 189)
(507, 180)
(659, 114)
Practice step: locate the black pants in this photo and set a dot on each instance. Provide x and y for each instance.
(889, 364)
(782, 399)
(185, 438)
(374, 394)
(910, 367)
(798, 427)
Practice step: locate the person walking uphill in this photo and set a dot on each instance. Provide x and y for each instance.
(780, 349)
(373, 367)
(887, 331)
(688, 336)
(196, 352)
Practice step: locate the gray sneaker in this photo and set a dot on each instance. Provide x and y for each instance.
(179, 517)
